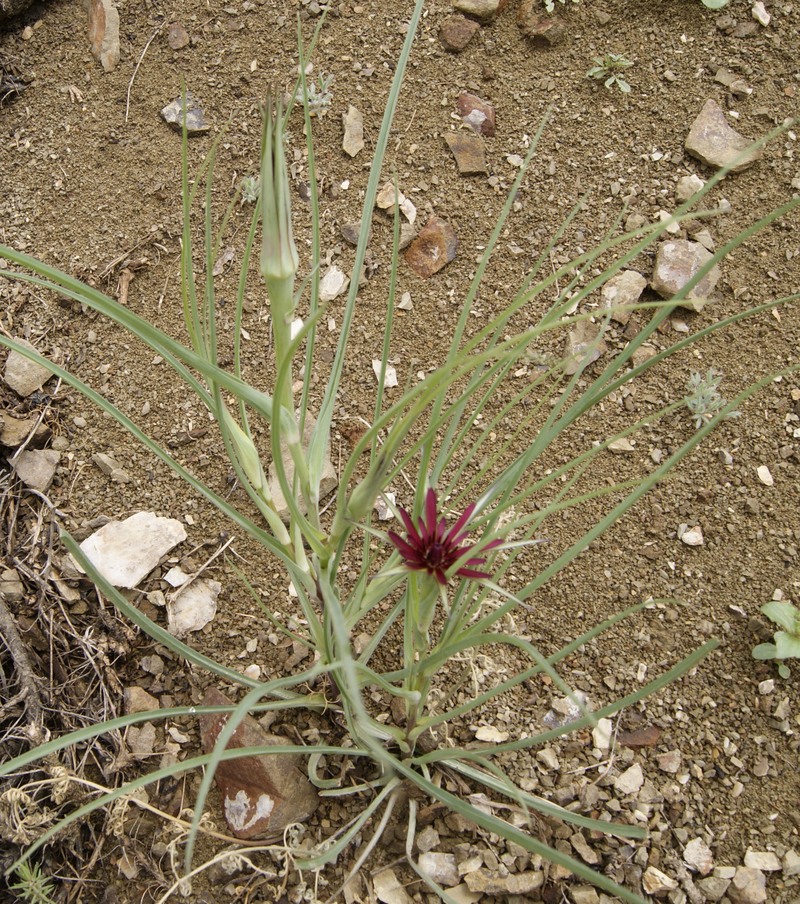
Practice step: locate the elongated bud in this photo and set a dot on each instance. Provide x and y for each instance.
(279, 260)
(246, 452)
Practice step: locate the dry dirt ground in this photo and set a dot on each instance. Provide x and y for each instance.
(90, 181)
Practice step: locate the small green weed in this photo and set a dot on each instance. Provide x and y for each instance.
(32, 885)
(608, 69)
(787, 641)
(704, 399)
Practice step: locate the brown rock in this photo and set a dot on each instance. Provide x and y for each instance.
(714, 142)
(469, 152)
(456, 32)
(433, 248)
(177, 36)
(536, 26)
(640, 737)
(476, 113)
(261, 794)
(14, 431)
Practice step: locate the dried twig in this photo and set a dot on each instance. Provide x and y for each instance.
(136, 69)
(26, 676)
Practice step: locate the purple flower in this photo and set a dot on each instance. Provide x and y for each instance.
(430, 546)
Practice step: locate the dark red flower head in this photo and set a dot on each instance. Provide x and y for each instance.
(430, 546)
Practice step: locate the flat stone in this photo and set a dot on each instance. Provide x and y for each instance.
(195, 118)
(456, 32)
(584, 894)
(469, 151)
(714, 142)
(104, 33)
(624, 288)
(654, 882)
(23, 375)
(442, 868)
(487, 883)
(193, 608)
(125, 552)
(353, 122)
(433, 248)
(630, 781)
(677, 262)
(14, 431)
(693, 536)
(476, 113)
(713, 888)
(389, 889)
(767, 861)
(261, 794)
(485, 10)
(640, 737)
(36, 469)
(137, 700)
(749, 886)
(698, 857)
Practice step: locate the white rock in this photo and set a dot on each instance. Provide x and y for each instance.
(698, 857)
(441, 868)
(630, 781)
(674, 228)
(655, 882)
(405, 303)
(491, 735)
(621, 446)
(427, 839)
(194, 608)
(382, 507)
(767, 861)
(389, 376)
(766, 687)
(693, 537)
(332, 284)
(125, 552)
(765, 476)
(601, 734)
(760, 14)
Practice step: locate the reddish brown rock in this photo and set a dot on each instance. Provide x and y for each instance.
(536, 26)
(104, 33)
(476, 113)
(261, 795)
(433, 248)
(456, 32)
(640, 737)
(469, 152)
